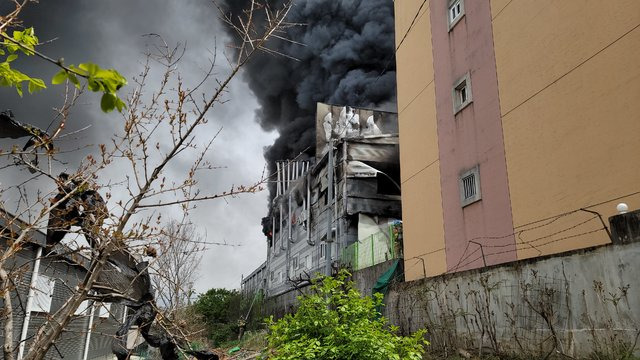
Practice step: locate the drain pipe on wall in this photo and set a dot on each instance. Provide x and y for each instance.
(343, 219)
(329, 241)
(271, 250)
(87, 341)
(312, 243)
(289, 238)
(280, 225)
(30, 295)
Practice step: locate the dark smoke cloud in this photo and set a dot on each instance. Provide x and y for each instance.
(110, 33)
(348, 45)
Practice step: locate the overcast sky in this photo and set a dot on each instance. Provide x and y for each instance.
(109, 33)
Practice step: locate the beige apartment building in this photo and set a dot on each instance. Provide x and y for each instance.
(519, 127)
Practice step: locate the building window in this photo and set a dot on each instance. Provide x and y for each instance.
(323, 250)
(461, 93)
(104, 310)
(43, 294)
(83, 308)
(294, 262)
(308, 262)
(470, 186)
(455, 12)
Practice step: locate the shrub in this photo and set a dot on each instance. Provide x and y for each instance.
(220, 310)
(335, 322)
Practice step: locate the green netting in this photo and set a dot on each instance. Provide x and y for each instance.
(372, 250)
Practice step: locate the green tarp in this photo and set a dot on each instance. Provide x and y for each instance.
(382, 285)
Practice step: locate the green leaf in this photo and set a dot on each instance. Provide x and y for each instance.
(120, 105)
(108, 102)
(32, 87)
(11, 57)
(74, 79)
(94, 85)
(27, 39)
(90, 68)
(79, 71)
(36, 85)
(17, 35)
(59, 78)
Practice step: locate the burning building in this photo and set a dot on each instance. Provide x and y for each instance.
(339, 209)
(342, 52)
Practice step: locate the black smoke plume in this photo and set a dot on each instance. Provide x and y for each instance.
(347, 59)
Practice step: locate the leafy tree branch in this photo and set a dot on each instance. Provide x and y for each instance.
(106, 81)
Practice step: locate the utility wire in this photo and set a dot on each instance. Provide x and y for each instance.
(576, 210)
(522, 248)
(549, 220)
(415, 97)
(399, 276)
(419, 171)
(528, 243)
(569, 71)
(415, 18)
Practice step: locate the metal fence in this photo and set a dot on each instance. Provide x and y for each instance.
(374, 249)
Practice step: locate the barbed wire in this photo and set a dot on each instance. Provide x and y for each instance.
(522, 248)
(547, 221)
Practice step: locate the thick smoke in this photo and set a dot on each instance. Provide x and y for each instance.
(347, 59)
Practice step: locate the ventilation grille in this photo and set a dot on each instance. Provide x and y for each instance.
(469, 186)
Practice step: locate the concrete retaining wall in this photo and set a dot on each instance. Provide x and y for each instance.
(576, 304)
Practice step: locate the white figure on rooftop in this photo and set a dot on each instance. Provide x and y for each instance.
(341, 124)
(353, 125)
(371, 128)
(327, 125)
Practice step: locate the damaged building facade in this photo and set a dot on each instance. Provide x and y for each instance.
(339, 209)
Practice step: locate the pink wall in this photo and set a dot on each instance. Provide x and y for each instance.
(472, 137)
